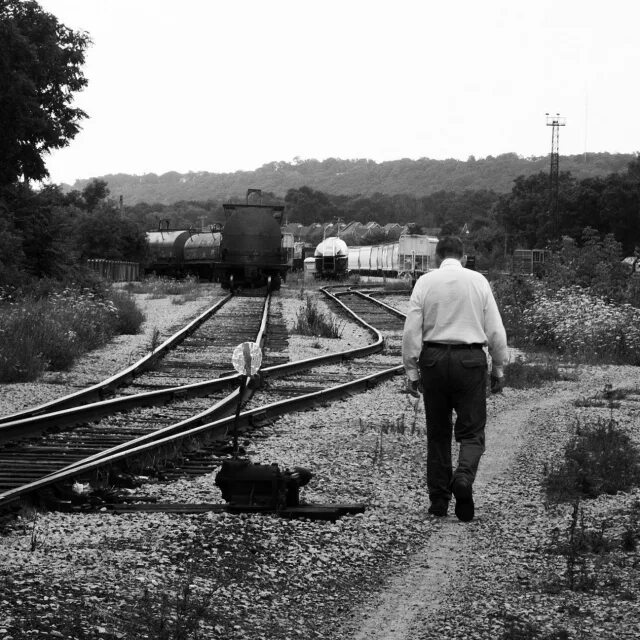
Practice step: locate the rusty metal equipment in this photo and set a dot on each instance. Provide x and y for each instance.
(244, 483)
(264, 488)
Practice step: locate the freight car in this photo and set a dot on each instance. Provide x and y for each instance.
(251, 246)
(201, 251)
(331, 257)
(180, 252)
(409, 257)
(166, 251)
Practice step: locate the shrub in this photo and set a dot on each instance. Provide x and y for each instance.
(129, 317)
(526, 375)
(578, 323)
(514, 294)
(51, 332)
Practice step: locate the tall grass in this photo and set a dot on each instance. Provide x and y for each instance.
(160, 287)
(37, 334)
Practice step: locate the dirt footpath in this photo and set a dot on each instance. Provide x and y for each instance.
(439, 573)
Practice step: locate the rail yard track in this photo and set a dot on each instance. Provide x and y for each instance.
(186, 431)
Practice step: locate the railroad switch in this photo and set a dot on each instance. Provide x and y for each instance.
(262, 488)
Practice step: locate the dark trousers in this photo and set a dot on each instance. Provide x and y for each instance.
(453, 379)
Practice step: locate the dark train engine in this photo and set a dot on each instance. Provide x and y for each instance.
(251, 246)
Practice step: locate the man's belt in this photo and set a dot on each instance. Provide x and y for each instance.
(443, 345)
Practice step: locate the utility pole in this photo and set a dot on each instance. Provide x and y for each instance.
(555, 122)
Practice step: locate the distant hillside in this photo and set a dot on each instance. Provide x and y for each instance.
(350, 177)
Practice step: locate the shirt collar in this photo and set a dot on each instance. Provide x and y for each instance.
(451, 262)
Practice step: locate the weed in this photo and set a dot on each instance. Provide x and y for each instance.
(579, 541)
(608, 397)
(521, 374)
(310, 321)
(161, 287)
(599, 459)
(171, 616)
(37, 535)
(154, 342)
(628, 541)
(518, 629)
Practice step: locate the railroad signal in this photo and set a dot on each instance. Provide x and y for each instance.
(246, 360)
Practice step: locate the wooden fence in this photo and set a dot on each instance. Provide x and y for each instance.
(116, 270)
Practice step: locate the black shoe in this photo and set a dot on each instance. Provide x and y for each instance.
(463, 492)
(439, 507)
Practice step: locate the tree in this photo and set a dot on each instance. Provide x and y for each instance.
(40, 69)
(94, 193)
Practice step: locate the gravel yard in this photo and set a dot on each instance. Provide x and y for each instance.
(392, 573)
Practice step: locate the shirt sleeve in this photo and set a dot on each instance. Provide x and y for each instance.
(412, 335)
(495, 332)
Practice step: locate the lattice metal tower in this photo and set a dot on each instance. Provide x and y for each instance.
(555, 122)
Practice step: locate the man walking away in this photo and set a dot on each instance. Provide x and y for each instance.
(452, 316)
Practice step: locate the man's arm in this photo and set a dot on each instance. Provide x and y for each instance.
(496, 335)
(412, 336)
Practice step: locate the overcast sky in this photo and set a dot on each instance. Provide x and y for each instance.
(224, 85)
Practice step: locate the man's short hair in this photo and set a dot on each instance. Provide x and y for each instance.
(450, 247)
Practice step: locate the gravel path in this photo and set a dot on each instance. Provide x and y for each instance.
(393, 572)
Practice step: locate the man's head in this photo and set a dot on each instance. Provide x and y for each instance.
(449, 247)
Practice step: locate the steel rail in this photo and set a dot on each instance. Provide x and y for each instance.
(370, 298)
(254, 384)
(218, 429)
(163, 436)
(99, 391)
(93, 411)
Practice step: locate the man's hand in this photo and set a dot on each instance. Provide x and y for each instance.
(414, 388)
(496, 383)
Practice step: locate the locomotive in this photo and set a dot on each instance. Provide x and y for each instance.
(251, 249)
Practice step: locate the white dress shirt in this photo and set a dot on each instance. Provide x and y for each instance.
(453, 305)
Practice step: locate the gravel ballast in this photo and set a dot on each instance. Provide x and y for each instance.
(393, 572)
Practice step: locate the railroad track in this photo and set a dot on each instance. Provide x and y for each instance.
(107, 388)
(122, 445)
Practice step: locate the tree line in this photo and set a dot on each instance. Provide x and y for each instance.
(494, 224)
(49, 232)
(416, 178)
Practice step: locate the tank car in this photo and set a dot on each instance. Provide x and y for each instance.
(201, 251)
(331, 257)
(251, 246)
(166, 251)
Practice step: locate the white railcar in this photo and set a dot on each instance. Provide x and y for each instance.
(411, 256)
